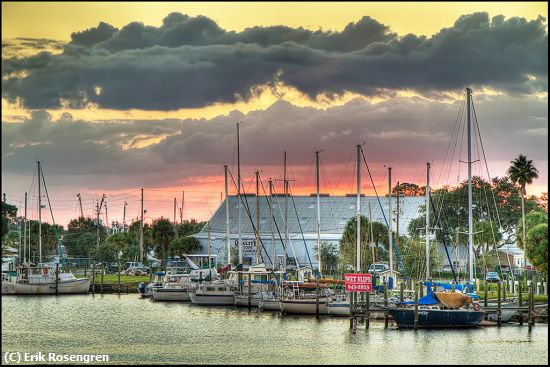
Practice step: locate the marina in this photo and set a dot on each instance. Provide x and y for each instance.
(134, 331)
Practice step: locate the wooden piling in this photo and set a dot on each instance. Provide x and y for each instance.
(249, 290)
(421, 288)
(504, 292)
(520, 299)
(102, 273)
(486, 291)
(351, 310)
(385, 304)
(56, 279)
(499, 310)
(453, 286)
(415, 309)
(118, 276)
(531, 304)
(367, 311)
(317, 299)
(93, 279)
(401, 291)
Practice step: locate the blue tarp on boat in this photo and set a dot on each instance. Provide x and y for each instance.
(428, 299)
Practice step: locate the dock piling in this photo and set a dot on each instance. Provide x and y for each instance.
(249, 290)
(367, 311)
(56, 279)
(385, 304)
(486, 291)
(317, 299)
(401, 291)
(499, 311)
(118, 276)
(415, 309)
(93, 279)
(102, 273)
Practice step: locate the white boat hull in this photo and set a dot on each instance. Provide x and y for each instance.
(212, 299)
(242, 300)
(339, 309)
(163, 294)
(304, 306)
(270, 305)
(70, 287)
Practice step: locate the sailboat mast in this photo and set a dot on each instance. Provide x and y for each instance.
(358, 241)
(318, 213)
(390, 223)
(428, 220)
(285, 183)
(470, 214)
(227, 240)
(272, 223)
(258, 251)
(239, 194)
(209, 260)
(39, 215)
(25, 233)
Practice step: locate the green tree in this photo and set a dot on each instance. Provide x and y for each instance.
(409, 189)
(485, 234)
(349, 239)
(105, 253)
(84, 245)
(414, 257)
(81, 236)
(522, 172)
(49, 239)
(531, 220)
(11, 239)
(163, 234)
(9, 213)
(536, 246)
(329, 257)
(185, 245)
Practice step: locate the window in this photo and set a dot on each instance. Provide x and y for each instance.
(210, 289)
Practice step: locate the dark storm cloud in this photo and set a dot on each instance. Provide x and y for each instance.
(192, 62)
(402, 131)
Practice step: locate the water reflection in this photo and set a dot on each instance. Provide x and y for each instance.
(141, 331)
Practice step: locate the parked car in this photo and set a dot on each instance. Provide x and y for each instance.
(492, 277)
(378, 268)
(136, 268)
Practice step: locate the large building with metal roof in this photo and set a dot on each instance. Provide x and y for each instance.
(301, 212)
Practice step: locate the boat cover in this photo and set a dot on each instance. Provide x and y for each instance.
(453, 299)
(428, 299)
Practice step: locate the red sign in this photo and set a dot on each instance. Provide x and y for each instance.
(358, 282)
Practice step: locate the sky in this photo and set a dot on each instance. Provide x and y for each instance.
(115, 97)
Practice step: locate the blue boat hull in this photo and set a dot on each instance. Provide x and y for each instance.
(435, 318)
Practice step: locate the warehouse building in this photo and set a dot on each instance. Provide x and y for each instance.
(302, 224)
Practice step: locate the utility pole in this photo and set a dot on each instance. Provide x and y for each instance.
(80, 204)
(99, 206)
(227, 239)
(358, 241)
(182, 201)
(258, 249)
(319, 254)
(470, 214)
(25, 233)
(428, 220)
(124, 217)
(390, 222)
(239, 195)
(175, 224)
(141, 230)
(39, 215)
(106, 217)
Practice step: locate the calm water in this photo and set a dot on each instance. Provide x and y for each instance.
(137, 331)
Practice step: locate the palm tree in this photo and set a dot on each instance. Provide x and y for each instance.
(522, 172)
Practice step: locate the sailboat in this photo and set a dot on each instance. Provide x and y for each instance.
(42, 278)
(444, 309)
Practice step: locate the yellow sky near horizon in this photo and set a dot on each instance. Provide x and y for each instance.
(56, 20)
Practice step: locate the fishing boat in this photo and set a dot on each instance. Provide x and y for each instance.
(175, 288)
(260, 281)
(216, 293)
(157, 281)
(303, 299)
(42, 278)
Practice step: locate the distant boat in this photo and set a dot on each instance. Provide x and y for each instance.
(175, 288)
(303, 299)
(41, 278)
(216, 293)
(260, 281)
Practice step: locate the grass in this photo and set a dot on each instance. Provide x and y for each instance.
(493, 296)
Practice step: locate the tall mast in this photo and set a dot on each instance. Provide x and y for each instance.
(358, 240)
(106, 216)
(175, 225)
(141, 230)
(390, 222)
(25, 233)
(470, 216)
(227, 240)
(80, 204)
(318, 212)
(285, 183)
(258, 251)
(272, 223)
(39, 215)
(372, 237)
(428, 220)
(239, 194)
(209, 260)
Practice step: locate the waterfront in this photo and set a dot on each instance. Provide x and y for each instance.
(135, 331)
